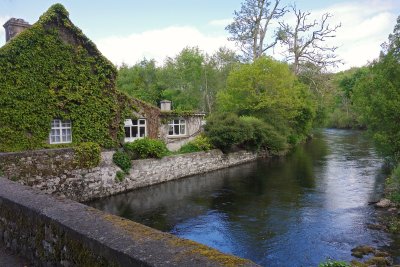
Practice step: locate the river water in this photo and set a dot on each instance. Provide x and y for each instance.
(296, 211)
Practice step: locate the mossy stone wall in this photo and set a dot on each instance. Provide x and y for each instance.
(59, 232)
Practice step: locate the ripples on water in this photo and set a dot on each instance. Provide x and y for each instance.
(297, 211)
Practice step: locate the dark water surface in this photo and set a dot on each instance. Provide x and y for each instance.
(297, 211)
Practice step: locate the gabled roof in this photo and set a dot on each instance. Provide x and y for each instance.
(57, 17)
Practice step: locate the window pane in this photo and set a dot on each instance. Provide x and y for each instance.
(127, 132)
(182, 121)
(142, 122)
(176, 121)
(134, 131)
(142, 132)
(134, 122)
(182, 129)
(176, 129)
(55, 123)
(57, 139)
(171, 130)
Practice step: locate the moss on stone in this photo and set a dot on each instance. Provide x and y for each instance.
(189, 248)
(361, 251)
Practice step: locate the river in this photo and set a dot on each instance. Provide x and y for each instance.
(295, 211)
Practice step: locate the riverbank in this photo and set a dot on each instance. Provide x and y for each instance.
(54, 171)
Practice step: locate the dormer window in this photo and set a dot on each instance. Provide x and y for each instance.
(135, 129)
(61, 132)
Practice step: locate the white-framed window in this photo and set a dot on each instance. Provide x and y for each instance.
(61, 132)
(177, 127)
(135, 129)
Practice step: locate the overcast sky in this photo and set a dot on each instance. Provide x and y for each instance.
(128, 31)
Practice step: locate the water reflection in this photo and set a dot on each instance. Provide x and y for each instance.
(295, 211)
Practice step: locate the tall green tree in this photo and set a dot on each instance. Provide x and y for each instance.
(268, 89)
(142, 81)
(182, 77)
(377, 98)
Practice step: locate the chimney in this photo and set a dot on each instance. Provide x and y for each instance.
(165, 105)
(15, 26)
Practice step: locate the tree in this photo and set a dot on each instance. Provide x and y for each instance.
(250, 26)
(182, 77)
(268, 89)
(306, 41)
(376, 97)
(141, 81)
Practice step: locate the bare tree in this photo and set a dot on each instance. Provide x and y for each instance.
(251, 24)
(306, 41)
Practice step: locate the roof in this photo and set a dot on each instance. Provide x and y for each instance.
(57, 17)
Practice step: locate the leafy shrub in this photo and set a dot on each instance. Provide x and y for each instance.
(119, 176)
(263, 135)
(87, 155)
(226, 130)
(200, 143)
(393, 185)
(146, 148)
(331, 263)
(122, 160)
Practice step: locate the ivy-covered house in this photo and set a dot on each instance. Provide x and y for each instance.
(57, 89)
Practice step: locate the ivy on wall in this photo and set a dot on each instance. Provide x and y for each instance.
(52, 70)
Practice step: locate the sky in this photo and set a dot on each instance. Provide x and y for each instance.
(126, 31)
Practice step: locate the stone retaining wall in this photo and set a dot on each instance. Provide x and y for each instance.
(53, 231)
(54, 172)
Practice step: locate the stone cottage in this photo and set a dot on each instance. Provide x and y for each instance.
(56, 88)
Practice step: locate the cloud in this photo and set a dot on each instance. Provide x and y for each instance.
(220, 22)
(157, 44)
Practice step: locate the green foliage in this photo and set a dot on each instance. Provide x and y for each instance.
(263, 135)
(377, 99)
(87, 155)
(50, 71)
(331, 263)
(141, 81)
(200, 143)
(122, 160)
(227, 130)
(146, 148)
(343, 113)
(119, 176)
(267, 89)
(393, 185)
(190, 80)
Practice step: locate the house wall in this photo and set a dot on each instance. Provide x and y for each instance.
(54, 172)
(52, 231)
(193, 128)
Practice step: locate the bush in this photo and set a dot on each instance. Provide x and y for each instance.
(263, 135)
(120, 176)
(393, 185)
(226, 130)
(146, 148)
(87, 155)
(200, 143)
(122, 160)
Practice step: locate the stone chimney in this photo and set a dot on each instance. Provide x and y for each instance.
(165, 105)
(15, 26)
